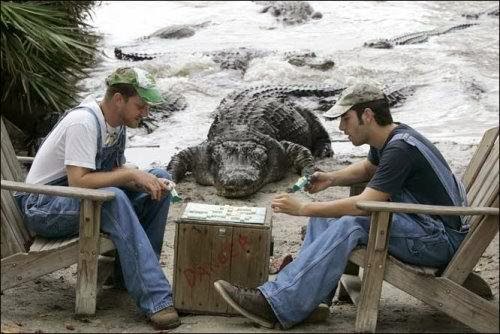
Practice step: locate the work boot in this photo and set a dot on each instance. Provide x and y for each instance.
(320, 314)
(249, 302)
(166, 318)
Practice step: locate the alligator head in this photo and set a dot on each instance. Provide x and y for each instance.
(379, 44)
(242, 161)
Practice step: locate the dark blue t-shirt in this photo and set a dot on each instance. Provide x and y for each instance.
(400, 165)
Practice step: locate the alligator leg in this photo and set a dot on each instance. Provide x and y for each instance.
(321, 145)
(299, 157)
(398, 96)
(192, 159)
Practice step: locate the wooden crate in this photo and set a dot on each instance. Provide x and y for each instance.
(211, 248)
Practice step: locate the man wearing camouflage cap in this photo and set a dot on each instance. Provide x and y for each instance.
(402, 166)
(86, 149)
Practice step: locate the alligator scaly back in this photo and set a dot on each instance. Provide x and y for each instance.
(277, 91)
(413, 38)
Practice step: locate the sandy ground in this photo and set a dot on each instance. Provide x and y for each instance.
(47, 304)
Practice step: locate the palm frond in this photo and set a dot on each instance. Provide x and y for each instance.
(46, 46)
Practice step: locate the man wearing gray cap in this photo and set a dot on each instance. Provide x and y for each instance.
(402, 166)
(86, 149)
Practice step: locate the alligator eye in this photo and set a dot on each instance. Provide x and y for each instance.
(259, 154)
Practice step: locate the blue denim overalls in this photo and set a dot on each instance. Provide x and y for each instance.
(415, 239)
(134, 222)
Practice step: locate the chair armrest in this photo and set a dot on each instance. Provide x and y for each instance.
(426, 209)
(82, 193)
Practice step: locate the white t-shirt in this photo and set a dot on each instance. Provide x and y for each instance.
(72, 142)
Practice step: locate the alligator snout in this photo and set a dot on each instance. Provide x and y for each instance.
(239, 183)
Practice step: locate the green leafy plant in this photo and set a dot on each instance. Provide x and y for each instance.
(46, 48)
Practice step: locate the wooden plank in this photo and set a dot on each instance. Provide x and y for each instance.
(14, 232)
(469, 252)
(41, 244)
(220, 265)
(447, 296)
(194, 261)
(426, 209)
(488, 188)
(15, 236)
(474, 222)
(47, 245)
(485, 171)
(10, 242)
(24, 267)
(250, 257)
(86, 282)
(8, 159)
(351, 269)
(25, 160)
(352, 286)
(82, 193)
(7, 172)
(216, 223)
(358, 256)
(373, 274)
(176, 262)
(479, 156)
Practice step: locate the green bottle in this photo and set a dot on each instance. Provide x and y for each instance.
(300, 184)
(175, 197)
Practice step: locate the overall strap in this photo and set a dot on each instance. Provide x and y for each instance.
(453, 186)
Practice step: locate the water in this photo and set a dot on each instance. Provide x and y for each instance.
(458, 71)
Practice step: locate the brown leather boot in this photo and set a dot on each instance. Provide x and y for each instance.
(320, 314)
(165, 319)
(252, 304)
(249, 302)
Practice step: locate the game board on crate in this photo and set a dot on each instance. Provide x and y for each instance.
(224, 213)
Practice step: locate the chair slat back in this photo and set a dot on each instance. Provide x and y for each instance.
(481, 178)
(15, 237)
(481, 154)
(481, 182)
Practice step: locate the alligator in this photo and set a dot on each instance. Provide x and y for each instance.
(257, 135)
(176, 31)
(239, 58)
(493, 11)
(413, 38)
(172, 102)
(290, 12)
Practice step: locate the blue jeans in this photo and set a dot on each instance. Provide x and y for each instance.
(309, 279)
(135, 224)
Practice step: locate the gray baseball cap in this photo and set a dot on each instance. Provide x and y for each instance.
(352, 95)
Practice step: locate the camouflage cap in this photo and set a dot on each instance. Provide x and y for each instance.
(352, 95)
(142, 81)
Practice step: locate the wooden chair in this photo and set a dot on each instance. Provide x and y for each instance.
(25, 257)
(456, 291)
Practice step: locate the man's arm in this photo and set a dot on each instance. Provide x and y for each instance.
(119, 177)
(285, 203)
(360, 171)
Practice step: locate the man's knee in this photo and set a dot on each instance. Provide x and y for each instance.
(350, 227)
(161, 173)
(120, 195)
